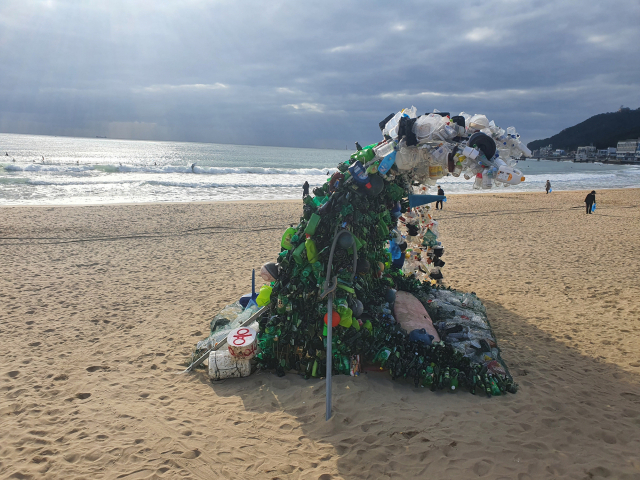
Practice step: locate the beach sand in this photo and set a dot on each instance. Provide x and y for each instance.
(101, 306)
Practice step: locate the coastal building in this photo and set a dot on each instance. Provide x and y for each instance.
(546, 151)
(586, 154)
(628, 151)
(607, 153)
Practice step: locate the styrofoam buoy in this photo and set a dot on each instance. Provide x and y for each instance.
(242, 343)
(222, 365)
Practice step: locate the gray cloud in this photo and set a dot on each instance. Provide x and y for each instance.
(318, 74)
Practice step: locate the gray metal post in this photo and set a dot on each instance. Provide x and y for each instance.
(330, 287)
(329, 352)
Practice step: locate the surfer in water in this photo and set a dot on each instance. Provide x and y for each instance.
(193, 166)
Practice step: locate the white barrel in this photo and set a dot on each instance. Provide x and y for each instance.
(222, 365)
(242, 342)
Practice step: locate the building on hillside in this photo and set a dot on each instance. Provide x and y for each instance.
(559, 153)
(546, 151)
(627, 150)
(586, 154)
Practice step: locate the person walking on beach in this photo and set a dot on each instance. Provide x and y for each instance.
(547, 187)
(305, 189)
(440, 192)
(590, 200)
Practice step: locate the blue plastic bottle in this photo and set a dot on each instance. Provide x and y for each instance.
(386, 163)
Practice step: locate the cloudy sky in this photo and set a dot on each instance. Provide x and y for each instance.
(309, 74)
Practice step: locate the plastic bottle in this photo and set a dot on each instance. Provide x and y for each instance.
(312, 251)
(359, 174)
(385, 148)
(387, 163)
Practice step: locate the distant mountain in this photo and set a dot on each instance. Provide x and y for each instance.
(603, 130)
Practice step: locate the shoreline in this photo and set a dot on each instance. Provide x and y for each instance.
(492, 192)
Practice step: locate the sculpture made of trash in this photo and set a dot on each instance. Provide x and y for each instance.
(369, 198)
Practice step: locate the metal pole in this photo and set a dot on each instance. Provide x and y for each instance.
(329, 352)
(327, 285)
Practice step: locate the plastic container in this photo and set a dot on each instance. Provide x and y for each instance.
(359, 174)
(509, 175)
(286, 238)
(387, 163)
(223, 365)
(312, 224)
(385, 148)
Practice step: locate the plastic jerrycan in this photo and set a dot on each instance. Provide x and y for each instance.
(509, 175)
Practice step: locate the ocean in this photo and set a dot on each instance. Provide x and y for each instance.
(44, 170)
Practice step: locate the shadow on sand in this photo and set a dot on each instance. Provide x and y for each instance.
(573, 416)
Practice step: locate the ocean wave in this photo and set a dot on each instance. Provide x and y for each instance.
(157, 169)
(247, 186)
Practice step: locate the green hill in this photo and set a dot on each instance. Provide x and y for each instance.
(601, 131)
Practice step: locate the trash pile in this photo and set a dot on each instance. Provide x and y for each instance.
(366, 235)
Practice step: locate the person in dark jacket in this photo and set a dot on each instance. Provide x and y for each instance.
(590, 200)
(547, 187)
(440, 192)
(305, 189)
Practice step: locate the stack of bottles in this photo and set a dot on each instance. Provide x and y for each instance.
(434, 145)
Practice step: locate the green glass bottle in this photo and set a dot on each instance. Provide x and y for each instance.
(454, 379)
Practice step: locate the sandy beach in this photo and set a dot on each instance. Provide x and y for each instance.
(102, 305)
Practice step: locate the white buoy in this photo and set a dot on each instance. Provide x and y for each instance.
(242, 343)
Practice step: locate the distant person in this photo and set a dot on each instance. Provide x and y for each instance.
(193, 166)
(328, 173)
(590, 200)
(6, 154)
(547, 187)
(305, 189)
(440, 192)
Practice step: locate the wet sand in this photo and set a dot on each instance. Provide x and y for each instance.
(101, 305)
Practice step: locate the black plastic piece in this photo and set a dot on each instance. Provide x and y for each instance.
(484, 143)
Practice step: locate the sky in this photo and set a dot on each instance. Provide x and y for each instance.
(309, 74)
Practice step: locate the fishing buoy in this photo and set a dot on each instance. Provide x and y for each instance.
(335, 318)
(269, 272)
(242, 343)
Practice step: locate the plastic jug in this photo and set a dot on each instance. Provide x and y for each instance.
(509, 175)
(286, 238)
